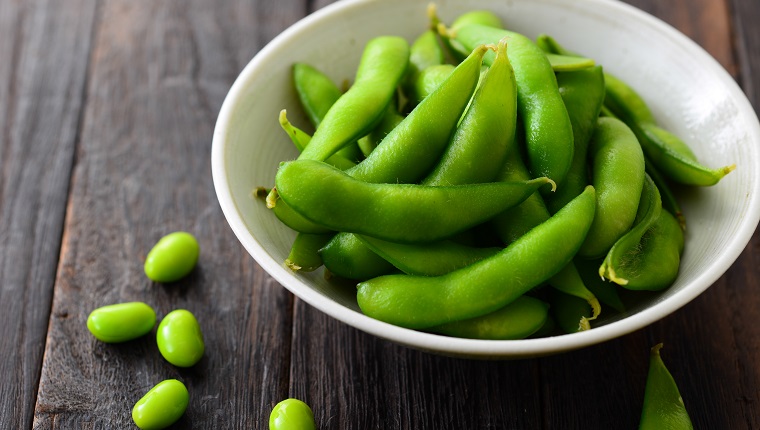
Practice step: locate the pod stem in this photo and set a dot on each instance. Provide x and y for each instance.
(292, 266)
(272, 198)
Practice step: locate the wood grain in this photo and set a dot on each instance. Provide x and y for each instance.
(44, 46)
(159, 72)
(745, 15)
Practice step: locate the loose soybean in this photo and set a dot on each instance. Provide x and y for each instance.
(172, 258)
(180, 339)
(121, 322)
(291, 414)
(162, 406)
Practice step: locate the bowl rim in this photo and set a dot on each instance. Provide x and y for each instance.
(475, 348)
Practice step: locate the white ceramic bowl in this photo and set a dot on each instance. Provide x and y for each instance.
(688, 91)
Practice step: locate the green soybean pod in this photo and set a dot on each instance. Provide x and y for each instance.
(618, 176)
(405, 213)
(414, 146)
(549, 133)
(292, 414)
(180, 339)
(315, 90)
(121, 322)
(480, 143)
(301, 139)
(304, 255)
(429, 259)
(570, 313)
(569, 63)
(518, 320)
(663, 406)
(172, 258)
(420, 302)
(360, 109)
(162, 406)
(629, 245)
(424, 52)
(428, 80)
(346, 256)
(478, 16)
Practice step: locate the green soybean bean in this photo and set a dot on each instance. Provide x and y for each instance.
(583, 95)
(618, 176)
(486, 286)
(429, 259)
(653, 265)
(172, 258)
(180, 339)
(486, 133)
(549, 134)
(403, 213)
(355, 113)
(292, 414)
(414, 146)
(517, 320)
(348, 257)
(300, 139)
(162, 406)
(628, 245)
(664, 408)
(121, 322)
(304, 255)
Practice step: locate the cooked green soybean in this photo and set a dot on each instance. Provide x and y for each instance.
(121, 322)
(180, 339)
(292, 414)
(162, 406)
(663, 406)
(172, 258)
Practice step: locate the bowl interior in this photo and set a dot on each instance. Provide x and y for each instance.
(688, 91)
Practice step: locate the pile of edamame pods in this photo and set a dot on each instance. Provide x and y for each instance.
(478, 183)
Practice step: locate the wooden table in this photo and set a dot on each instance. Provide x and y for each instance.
(107, 110)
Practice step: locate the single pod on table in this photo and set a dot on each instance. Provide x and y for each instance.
(180, 339)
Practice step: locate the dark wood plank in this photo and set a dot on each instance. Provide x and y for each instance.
(44, 47)
(159, 73)
(745, 16)
(355, 380)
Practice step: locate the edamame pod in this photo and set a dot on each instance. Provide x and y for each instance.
(628, 246)
(570, 313)
(618, 176)
(355, 113)
(486, 133)
(486, 286)
(428, 80)
(549, 134)
(300, 139)
(348, 257)
(517, 320)
(663, 405)
(304, 256)
(409, 151)
(479, 16)
(569, 63)
(403, 213)
(424, 53)
(654, 264)
(286, 215)
(429, 259)
(583, 95)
